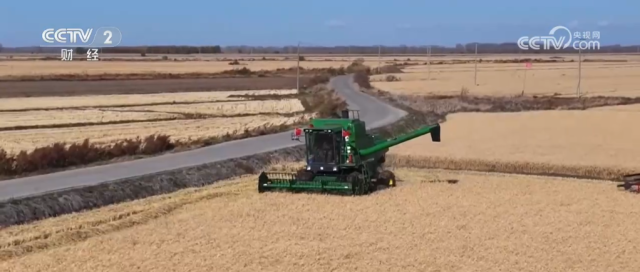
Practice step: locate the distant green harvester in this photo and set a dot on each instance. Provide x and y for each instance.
(341, 158)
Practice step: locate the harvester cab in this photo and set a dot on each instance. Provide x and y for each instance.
(341, 157)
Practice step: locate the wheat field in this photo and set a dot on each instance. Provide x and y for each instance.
(226, 108)
(485, 222)
(604, 138)
(182, 130)
(72, 116)
(608, 79)
(25, 103)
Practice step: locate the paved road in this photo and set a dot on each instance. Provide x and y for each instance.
(374, 112)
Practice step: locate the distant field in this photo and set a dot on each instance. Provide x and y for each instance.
(69, 117)
(605, 137)
(615, 79)
(485, 222)
(16, 68)
(28, 123)
(216, 63)
(127, 100)
(48, 88)
(227, 108)
(14, 141)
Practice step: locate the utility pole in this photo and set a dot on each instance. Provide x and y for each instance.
(429, 63)
(578, 91)
(298, 70)
(379, 57)
(475, 73)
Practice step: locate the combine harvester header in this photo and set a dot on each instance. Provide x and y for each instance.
(341, 158)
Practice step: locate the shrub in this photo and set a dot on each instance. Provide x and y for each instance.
(362, 79)
(391, 78)
(59, 155)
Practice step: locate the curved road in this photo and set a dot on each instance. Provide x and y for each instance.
(374, 112)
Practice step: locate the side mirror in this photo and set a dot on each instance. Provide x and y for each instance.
(295, 137)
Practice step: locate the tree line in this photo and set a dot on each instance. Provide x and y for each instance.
(469, 48)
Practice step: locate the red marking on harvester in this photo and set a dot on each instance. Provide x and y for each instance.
(345, 133)
(297, 132)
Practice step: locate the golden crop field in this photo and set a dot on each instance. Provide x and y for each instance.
(193, 129)
(227, 108)
(485, 222)
(72, 116)
(595, 137)
(608, 79)
(25, 103)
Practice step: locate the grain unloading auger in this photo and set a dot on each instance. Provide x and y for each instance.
(341, 158)
(630, 183)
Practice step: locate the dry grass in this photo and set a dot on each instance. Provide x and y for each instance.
(178, 130)
(71, 117)
(581, 138)
(611, 79)
(127, 99)
(624, 108)
(482, 223)
(227, 108)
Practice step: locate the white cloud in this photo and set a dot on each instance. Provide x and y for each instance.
(335, 23)
(603, 23)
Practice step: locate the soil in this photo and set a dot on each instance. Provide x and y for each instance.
(74, 88)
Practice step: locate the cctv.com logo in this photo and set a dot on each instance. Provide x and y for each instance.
(587, 40)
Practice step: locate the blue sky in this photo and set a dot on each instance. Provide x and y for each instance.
(324, 22)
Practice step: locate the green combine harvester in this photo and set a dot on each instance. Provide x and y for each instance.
(341, 158)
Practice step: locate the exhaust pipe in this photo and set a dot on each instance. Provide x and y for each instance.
(345, 114)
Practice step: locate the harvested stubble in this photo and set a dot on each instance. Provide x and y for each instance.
(73, 116)
(508, 79)
(586, 140)
(178, 130)
(128, 99)
(483, 223)
(227, 108)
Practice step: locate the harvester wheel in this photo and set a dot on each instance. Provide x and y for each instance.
(387, 178)
(262, 179)
(357, 183)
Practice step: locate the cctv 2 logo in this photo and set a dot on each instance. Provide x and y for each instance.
(64, 37)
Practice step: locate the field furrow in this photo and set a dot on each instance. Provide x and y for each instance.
(226, 108)
(70, 117)
(126, 100)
